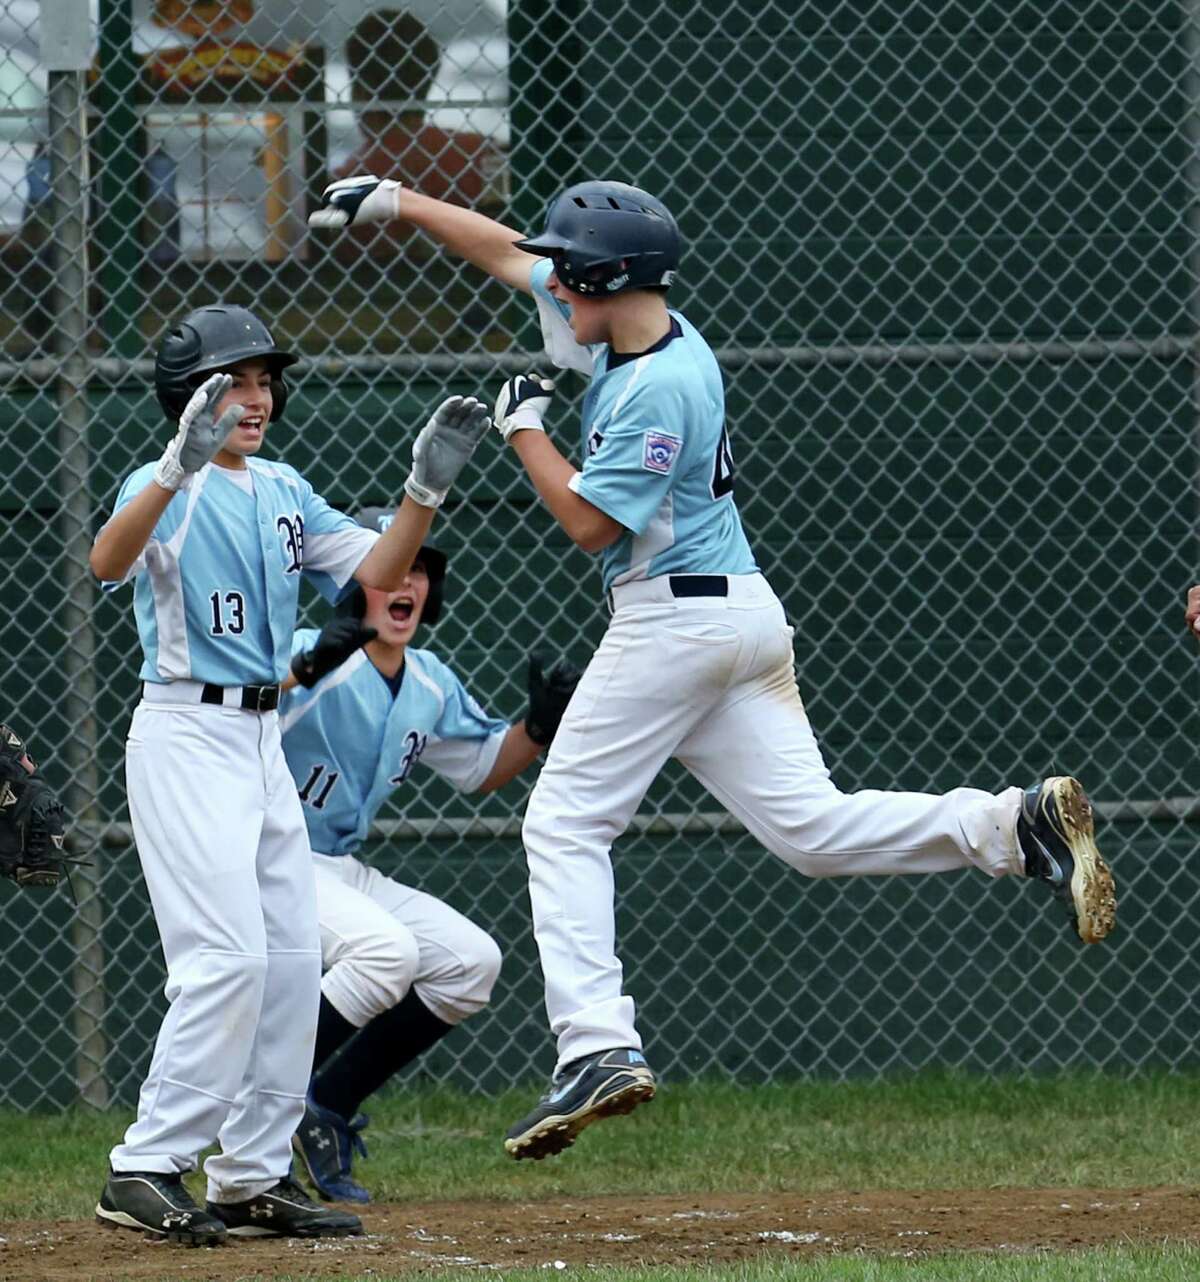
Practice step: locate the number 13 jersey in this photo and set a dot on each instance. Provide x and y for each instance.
(216, 586)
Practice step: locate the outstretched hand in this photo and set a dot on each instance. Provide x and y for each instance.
(1192, 613)
(443, 447)
(522, 404)
(200, 433)
(364, 199)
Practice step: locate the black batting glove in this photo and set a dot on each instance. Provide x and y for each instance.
(339, 639)
(549, 693)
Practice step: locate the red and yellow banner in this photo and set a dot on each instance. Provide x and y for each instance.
(186, 70)
(202, 17)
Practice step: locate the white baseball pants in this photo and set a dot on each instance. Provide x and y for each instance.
(379, 938)
(221, 838)
(711, 681)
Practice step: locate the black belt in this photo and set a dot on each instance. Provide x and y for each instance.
(254, 698)
(698, 584)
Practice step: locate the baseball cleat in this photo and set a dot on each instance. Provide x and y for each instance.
(1056, 836)
(284, 1210)
(158, 1204)
(326, 1144)
(602, 1085)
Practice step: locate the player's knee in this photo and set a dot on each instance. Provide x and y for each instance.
(810, 834)
(234, 980)
(535, 828)
(457, 996)
(547, 831)
(481, 970)
(382, 970)
(801, 851)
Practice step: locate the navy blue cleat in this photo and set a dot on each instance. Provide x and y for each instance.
(602, 1085)
(326, 1144)
(1058, 841)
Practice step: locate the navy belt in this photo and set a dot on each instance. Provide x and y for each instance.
(698, 584)
(254, 698)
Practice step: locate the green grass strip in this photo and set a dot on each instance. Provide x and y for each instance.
(1118, 1264)
(943, 1130)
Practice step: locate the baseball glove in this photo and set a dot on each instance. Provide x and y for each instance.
(32, 827)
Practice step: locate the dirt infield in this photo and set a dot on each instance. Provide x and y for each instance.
(676, 1230)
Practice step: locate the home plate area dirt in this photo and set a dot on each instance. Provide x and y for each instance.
(434, 1237)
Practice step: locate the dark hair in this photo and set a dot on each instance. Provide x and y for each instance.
(391, 55)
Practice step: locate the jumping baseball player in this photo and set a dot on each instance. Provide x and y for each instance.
(402, 968)
(697, 662)
(215, 541)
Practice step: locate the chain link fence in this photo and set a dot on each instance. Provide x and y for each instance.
(947, 254)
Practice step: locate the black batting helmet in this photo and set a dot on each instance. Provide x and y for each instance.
(605, 237)
(432, 558)
(210, 339)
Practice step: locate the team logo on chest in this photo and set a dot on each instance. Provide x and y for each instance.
(291, 530)
(410, 754)
(659, 450)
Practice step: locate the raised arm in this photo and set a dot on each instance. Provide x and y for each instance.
(126, 533)
(440, 452)
(479, 240)
(520, 407)
(200, 434)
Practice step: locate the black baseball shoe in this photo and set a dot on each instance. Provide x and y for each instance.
(159, 1204)
(284, 1210)
(587, 1089)
(326, 1144)
(1056, 836)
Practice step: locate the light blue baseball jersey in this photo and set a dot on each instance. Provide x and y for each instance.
(216, 587)
(349, 742)
(655, 449)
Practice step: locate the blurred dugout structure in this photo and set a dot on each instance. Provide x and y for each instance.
(948, 256)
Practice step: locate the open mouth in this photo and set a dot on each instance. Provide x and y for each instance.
(401, 611)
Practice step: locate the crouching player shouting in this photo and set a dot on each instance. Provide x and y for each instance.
(402, 968)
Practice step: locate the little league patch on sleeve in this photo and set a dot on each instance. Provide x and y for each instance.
(659, 450)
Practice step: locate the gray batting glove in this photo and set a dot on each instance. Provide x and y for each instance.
(522, 404)
(443, 447)
(364, 199)
(200, 434)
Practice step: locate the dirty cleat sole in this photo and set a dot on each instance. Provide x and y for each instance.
(1093, 891)
(612, 1098)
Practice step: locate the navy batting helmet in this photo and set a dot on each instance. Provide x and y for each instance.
(432, 558)
(605, 237)
(211, 339)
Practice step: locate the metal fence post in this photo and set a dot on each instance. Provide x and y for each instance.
(68, 171)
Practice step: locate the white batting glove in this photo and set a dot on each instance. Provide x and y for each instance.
(443, 447)
(365, 199)
(200, 436)
(522, 404)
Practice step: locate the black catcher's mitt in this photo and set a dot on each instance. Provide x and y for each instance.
(32, 827)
